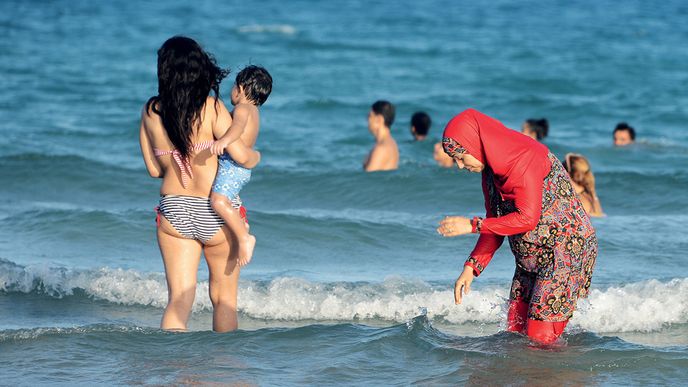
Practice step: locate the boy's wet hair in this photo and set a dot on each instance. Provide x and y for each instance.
(539, 126)
(386, 110)
(256, 82)
(624, 126)
(421, 122)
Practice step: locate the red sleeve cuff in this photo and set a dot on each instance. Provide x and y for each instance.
(473, 264)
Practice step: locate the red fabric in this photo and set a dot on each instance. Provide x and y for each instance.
(519, 164)
(544, 332)
(517, 316)
(242, 212)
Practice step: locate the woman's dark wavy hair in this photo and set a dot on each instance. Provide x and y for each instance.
(186, 75)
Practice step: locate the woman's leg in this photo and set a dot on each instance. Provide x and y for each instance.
(224, 279)
(519, 297)
(545, 332)
(517, 316)
(181, 257)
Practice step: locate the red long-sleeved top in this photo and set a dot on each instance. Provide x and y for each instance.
(519, 165)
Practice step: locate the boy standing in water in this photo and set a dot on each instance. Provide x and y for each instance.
(385, 154)
(251, 89)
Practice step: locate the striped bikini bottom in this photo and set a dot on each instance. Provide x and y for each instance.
(191, 216)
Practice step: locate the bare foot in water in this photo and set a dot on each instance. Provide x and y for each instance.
(246, 247)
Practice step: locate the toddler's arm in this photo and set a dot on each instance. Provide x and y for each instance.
(239, 120)
(243, 154)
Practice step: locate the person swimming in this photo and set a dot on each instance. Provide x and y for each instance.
(624, 134)
(537, 129)
(385, 153)
(420, 125)
(583, 182)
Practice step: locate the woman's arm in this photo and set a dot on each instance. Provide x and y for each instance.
(591, 204)
(596, 206)
(528, 204)
(487, 244)
(152, 164)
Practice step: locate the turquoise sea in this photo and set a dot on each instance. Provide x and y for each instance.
(350, 284)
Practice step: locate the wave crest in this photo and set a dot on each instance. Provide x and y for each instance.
(653, 304)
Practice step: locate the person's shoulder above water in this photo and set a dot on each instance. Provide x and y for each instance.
(385, 154)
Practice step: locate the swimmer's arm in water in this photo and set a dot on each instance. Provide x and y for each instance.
(236, 129)
(596, 205)
(152, 164)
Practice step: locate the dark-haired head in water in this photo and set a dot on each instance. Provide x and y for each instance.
(420, 125)
(624, 134)
(536, 129)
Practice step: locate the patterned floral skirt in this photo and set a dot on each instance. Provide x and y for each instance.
(554, 262)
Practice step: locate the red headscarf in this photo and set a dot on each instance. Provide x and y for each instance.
(519, 164)
(510, 154)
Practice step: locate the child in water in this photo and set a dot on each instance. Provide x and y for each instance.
(251, 89)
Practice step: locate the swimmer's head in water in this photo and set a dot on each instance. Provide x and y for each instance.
(624, 134)
(537, 129)
(186, 75)
(420, 125)
(579, 169)
(256, 84)
(381, 113)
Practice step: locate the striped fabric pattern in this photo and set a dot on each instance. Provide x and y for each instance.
(191, 216)
(183, 163)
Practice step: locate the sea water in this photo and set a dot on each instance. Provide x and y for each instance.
(349, 284)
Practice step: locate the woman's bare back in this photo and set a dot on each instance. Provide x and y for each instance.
(214, 120)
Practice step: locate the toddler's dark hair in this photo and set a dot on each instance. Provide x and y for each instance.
(421, 121)
(386, 110)
(256, 82)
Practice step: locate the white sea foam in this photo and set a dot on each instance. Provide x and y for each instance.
(643, 306)
(283, 29)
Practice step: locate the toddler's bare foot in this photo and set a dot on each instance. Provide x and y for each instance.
(246, 247)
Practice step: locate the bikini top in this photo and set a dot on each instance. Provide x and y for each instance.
(183, 163)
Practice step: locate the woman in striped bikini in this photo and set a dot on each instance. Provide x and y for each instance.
(178, 126)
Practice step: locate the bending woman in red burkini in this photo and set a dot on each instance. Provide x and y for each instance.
(530, 199)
